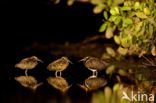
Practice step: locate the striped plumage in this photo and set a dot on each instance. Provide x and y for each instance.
(28, 82)
(93, 83)
(28, 63)
(94, 64)
(59, 65)
(59, 83)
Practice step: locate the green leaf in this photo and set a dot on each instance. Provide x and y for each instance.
(138, 26)
(122, 51)
(127, 3)
(98, 8)
(147, 11)
(110, 51)
(109, 33)
(110, 69)
(114, 11)
(143, 29)
(116, 87)
(126, 42)
(117, 2)
(105, 15)
(95, 2)
(117, 39)
(108, 95)
(103, 27)
(128, 21)
(131, 14)
(109, 2)
(151, 31)
(106, 56)
(122, 72)
(117, 20)
(137, 5)
(152, 21)
(126, 8)
(112, 18)
(141, 15)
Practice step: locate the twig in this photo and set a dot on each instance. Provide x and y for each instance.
(148, 60)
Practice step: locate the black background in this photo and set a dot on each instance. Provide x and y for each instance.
(26, 21)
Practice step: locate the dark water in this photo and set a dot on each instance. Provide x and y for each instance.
(13, 92)
(76, 73)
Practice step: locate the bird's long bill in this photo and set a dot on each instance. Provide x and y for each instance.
(82, 60)
(70, 86)
(16, 65)
(70, 62)
(83, 87)
(40, 60)
(36, 86)
(64, 91)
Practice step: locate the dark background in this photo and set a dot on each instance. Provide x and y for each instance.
(24, 22)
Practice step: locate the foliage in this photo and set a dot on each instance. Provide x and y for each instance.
(135, 23)
(131, 24)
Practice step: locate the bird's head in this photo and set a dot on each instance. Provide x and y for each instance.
(36, 58)
(66, 59)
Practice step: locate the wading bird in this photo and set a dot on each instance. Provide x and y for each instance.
(28, 82)
(59, 83)
(28, 63)
(94, 64)
(59, 65)
(93, 83)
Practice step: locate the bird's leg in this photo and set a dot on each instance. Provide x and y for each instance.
(95, 73)
(60, 73)
(26, 72)
(56, 74)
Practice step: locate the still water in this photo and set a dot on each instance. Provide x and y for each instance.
(76, 85)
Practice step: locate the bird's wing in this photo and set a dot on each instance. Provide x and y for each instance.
(25, 60)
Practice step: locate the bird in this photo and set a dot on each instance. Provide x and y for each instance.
(28, 63)
(59, 83)
(59, 65)
(28, 82)
(93, 83)
(94, 64)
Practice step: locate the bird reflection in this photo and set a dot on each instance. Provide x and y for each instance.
(28, 82)
(59, 65)
(94, 64)
(28, 63)
(93, 83)
(59, 83)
